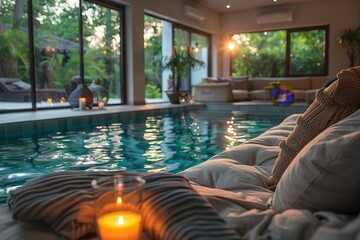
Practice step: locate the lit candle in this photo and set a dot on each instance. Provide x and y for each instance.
(82, 103)
(119, 225)
(101, 105)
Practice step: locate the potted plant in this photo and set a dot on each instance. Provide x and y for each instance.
(350, 41)
(180, 62)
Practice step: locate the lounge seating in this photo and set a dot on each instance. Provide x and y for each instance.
(256, 89)
(317, 197)
(15, 90)
(234, 182)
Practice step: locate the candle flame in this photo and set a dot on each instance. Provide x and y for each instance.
(119, 200)
(121, 220)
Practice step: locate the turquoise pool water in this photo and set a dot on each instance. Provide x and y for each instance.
(153, 143)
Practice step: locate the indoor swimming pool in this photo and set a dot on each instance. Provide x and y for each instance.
(151, 143)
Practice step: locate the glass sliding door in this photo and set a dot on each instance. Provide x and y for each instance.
(102, 50)
(160, 39)
(182, 44)
(198, 45)
(200, 50)
(50, 79)
(157, 45)
(15, 80)
(56, 35)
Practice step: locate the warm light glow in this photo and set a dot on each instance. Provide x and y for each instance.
(82, 103)
(119, 200)
(120, 223)
(231, 46)
(228, 6)
(49, 100)
(274, 0)
(101, 105)
(121, 219)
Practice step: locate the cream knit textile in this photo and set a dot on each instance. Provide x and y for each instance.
(331, 104)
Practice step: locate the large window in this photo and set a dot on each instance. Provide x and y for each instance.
(198, 44)
(155, 42)
(160, 38)
(15, 81)
(308, 55)
(294, 52)
(63, 55)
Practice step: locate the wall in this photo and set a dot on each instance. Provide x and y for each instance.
(339, 14)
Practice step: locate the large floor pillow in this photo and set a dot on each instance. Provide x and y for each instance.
(332, 104)
(325, 176)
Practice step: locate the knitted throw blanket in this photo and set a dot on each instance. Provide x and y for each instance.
(171, 208)
(331, 104)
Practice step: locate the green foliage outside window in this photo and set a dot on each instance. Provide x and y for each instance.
(307, 52)
(260, 54)
(56, 23)
(152, 91)
(264, 54)
(153, 55)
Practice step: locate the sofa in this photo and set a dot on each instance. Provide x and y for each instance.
(243, 88)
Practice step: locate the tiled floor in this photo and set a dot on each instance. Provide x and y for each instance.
(29, 116)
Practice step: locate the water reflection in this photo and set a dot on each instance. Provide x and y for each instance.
(149, 144)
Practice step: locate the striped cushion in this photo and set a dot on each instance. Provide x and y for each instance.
(171, 208)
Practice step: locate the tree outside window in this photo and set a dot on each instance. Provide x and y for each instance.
(295, 52)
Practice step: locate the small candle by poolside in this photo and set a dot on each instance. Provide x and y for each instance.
(82, 103)
(119, 225)
(101, 105)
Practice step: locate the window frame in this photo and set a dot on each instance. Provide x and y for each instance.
(191, 31)
(31, 55)
(288, 47)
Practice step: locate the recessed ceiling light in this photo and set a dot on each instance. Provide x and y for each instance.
(228, 6)
(274, 0)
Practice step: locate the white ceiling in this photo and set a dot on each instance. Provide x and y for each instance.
(238, 5)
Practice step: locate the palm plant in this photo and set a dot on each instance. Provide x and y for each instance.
(350, 41)
(14, 61)
(180, 62)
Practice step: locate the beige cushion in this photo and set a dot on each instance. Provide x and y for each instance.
(299, 83)
(260, 95)
(299, 95)
(240, 95)
(213, 92)
(324, 176)
(331, 105)
(239, 83)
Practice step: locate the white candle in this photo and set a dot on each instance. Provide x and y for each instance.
(82, 103)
